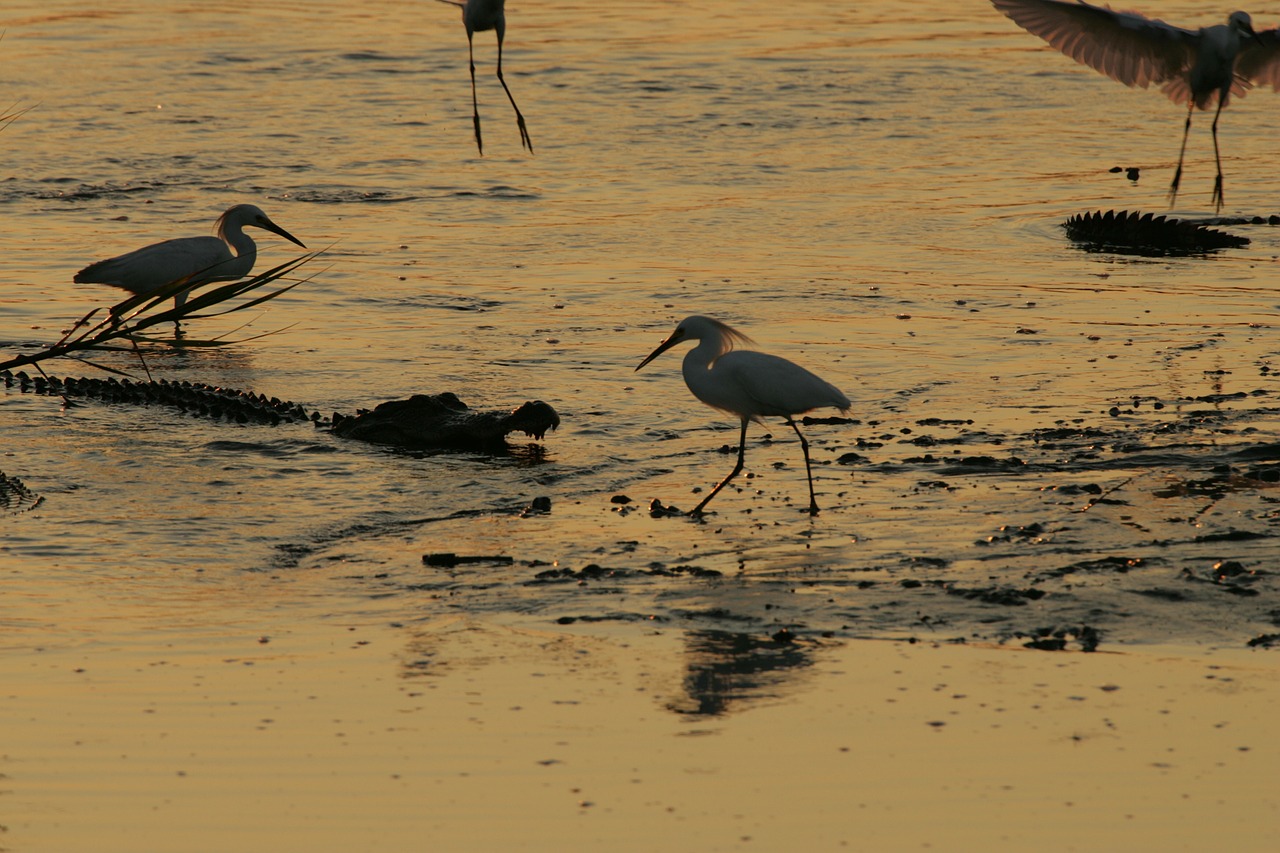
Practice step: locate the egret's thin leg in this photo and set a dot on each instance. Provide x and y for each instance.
(475, 106)
(804, 445)
(1217, 160)
(742, 450)
(524, 133)
(1177, 173)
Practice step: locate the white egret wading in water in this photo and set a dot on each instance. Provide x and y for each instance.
(749, 384)
(1195, 67)
(198, 259)
(479, 16)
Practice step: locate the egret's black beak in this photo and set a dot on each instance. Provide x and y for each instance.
(676, 337)
(268, 225)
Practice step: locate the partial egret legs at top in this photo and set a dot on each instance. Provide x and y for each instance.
(199, 260)
(1196, 67)
(748, 384)
(479, 16)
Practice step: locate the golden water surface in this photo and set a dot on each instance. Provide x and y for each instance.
(223, 637)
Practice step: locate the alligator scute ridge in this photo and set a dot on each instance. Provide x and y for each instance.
(422, 421)
(15, 497)
(1147, 233)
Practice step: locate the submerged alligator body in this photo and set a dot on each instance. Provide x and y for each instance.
(422, 421)
(1147, 234)
(195, 398)
(433, 420)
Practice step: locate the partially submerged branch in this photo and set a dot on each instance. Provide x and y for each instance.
(121, 327)
(12, 114)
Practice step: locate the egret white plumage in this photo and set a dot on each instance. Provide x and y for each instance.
(479, 16)
(199, 260)
(749, 384)
(1195, 67)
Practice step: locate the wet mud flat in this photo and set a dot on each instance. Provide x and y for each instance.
(617, 676)
(352, 733)
(1154, 521)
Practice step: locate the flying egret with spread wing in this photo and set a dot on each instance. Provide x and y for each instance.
(1199, 67)
(749, 384)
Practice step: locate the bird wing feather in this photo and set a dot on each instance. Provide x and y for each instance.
(154, 266)
(1125, 46)
(1259, 59)
(772, 385)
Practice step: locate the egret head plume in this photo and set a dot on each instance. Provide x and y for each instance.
(721, 336)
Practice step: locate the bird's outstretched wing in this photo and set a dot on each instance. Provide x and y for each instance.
(1125, 46)
(1259, 59)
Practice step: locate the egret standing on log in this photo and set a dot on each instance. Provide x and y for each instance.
(478, 16)
(1196, 67)
(200, 260)
(749, 384)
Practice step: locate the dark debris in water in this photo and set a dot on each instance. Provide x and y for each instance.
(1100, 565)
(586, 573)
(448, 559)
(1231, 576)
(538, 506)
(1162, 594)
(657, 509)
(1232, 536)
(593, 572)
(1004, 596)
(658, 569)
(1015, 533)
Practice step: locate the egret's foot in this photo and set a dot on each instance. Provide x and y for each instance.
(524, 134)
(1217, 195)
(475, 119)
(1173, 187)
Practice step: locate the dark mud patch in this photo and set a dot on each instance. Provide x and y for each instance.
(1004, 596)
(594, 572)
